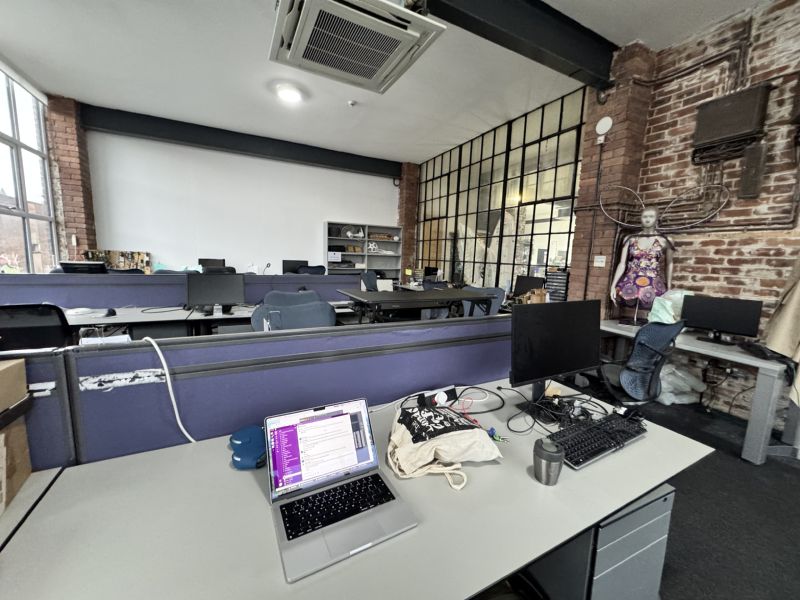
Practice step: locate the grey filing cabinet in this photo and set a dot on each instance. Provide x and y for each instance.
(631, 546)
(620, 559)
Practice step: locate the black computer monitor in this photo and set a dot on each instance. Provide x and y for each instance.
(83, 266)
(206, 290)
(291, 266)
(211, 262)
(722, 315)
(552, 339)
(525, 284)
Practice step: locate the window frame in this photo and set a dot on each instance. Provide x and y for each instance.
(14, 141)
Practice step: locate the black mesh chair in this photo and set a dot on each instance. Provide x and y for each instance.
(132, 271)
(311, 270)
(370, 280)
(299, 316)
(636, 380)
(210, 269)
(25, 326)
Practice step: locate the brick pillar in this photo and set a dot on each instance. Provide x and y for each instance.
(69, 167)
(627, 104)
(407, 213)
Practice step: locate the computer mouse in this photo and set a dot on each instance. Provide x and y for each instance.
(111, 313)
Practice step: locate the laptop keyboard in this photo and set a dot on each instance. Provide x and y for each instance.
(330, 506)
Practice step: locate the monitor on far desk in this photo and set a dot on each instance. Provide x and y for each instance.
(722, 315)
(206, 290)
(83, 266)
(291, 266)
(525, 284)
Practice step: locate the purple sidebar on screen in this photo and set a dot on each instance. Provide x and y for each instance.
(285, 457)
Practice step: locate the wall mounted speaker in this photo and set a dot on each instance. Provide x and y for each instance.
(755, 157)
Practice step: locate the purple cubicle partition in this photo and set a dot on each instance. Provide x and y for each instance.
(226, 384)
(116, 290)
(113, 290)
(48, 421)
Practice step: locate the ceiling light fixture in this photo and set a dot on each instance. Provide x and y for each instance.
(288, 93)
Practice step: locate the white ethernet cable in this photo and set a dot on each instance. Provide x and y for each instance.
(168, 379)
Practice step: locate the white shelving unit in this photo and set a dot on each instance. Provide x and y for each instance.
(371, 247)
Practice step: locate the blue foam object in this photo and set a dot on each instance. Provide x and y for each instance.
(249, 458)
(247, 436)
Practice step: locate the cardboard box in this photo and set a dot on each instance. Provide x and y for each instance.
(13, 383)
(15, 466)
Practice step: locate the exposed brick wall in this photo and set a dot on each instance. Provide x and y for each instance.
(627, 105)
(69, 166)
(407, 212)
(747, 251)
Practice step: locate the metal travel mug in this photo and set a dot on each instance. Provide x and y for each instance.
(548, 458)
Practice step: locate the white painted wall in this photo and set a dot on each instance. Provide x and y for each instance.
(181, 203)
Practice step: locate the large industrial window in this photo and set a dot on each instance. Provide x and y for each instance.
(501, 204)
(26, 209)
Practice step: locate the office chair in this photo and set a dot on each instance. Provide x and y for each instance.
(127, 271)
(25, 326)
(311, 270)
(300, 316)
(636, 379)
(370, 280)
(219, 269)
(56, 270)
(279, 298)
(173, 272)
(480, 311)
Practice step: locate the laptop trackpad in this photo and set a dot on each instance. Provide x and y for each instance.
(343, 538)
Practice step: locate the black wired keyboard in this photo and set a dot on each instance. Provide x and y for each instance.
(586, 441)
(330, 506)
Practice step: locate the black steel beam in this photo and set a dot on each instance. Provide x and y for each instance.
(535, 30)
(156, 128)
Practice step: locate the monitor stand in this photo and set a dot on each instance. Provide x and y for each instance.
(716, 338)
(539, 410)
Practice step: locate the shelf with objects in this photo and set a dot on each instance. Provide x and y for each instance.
(359, 247)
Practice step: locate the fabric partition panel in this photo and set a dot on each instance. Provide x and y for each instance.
(113, 290)
(48, 422)
(121, 405)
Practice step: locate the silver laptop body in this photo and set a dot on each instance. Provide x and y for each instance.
(312, 450)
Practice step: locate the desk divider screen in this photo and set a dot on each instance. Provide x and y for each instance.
(114, 290)
(121, 406)
(48, 421)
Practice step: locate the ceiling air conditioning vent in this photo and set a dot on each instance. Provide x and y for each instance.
(368, 43)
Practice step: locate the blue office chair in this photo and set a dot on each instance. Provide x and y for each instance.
(636, 379)
(300, 316)
(311, 270)
(209, 269)
(173, 272)
(280, 298)
(127, 271)
(480, 311)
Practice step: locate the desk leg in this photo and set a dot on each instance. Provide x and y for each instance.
(762, 417)
(471, 308)
(791, 432)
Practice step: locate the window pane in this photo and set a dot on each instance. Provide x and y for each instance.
(472, 225)
(12, 245)
(35, 176)
(5, 109)
(541, 223)
(564, 181)
(529, 188)
(489, 275)
(464, 154)
(559, 245)
(506, 276)
(572, 110)
(483, 198)
(499, 167)
(472, 206)
(8, 187)
(43, 253)
(517, 132)
(515, 163)
(476, 150)
(551, 115)
(547, 157)
(482, 225)
(566, 148)
(539, 250)
(531, 158)
(512, 192)
(486, 171)
(562, 215)
(29, 117)
(497, 195)
(533, 127)
(525, 220)
(500, 139)
(488, 143)
(495, 220)
(547, 181)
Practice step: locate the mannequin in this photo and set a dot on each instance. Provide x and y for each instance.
(644, 271)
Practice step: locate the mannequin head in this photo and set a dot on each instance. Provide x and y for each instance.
(649, 218)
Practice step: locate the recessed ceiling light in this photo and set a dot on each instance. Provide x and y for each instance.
(289, 93)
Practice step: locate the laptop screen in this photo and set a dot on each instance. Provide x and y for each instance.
(314, 447)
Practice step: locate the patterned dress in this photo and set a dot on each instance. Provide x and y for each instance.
(643, 280)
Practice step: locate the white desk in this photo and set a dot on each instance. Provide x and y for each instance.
(181, 523)
(26, 497)
(126, 316)
(769, 387)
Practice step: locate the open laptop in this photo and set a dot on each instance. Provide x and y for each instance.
(329, 501)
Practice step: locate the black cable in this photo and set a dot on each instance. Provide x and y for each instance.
(488, 410)
(524, 411)
(736, 395)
